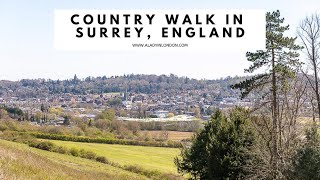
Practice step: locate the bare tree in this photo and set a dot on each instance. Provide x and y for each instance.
(292, 97)
(309, 33)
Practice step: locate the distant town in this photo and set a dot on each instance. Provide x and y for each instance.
(132, 97)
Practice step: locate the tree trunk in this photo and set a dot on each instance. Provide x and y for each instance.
(274, 136)
(316, 80)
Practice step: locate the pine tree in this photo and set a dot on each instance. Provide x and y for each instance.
(279, 62)
(220, 150)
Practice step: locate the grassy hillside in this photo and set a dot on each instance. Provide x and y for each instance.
(18, 161)
(153, 158)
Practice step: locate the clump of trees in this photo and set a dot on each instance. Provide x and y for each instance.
(281, 57)
(277, 146)
(12, 112)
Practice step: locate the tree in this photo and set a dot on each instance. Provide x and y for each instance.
(196, 112)
(306, 162)
(108, 114)
(309, 34)
(90, 123)
(66, 120)
(3, 114)
(220, 150)
(38, 116)
(170, 115)
(44, 111)
(279, 62)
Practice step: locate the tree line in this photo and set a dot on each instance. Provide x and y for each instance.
(148, 84)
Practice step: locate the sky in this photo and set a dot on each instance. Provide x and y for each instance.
(26, 41)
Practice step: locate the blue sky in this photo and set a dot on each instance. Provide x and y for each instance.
(26, 41)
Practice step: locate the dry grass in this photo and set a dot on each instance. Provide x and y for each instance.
(172, 135)
(307, 120)
(18, 161)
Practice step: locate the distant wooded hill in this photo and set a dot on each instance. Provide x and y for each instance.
(148, 84)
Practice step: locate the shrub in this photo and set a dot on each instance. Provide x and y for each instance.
(306, 163)
(87, 154)
(24, 138)
(3, 127)
(74, 152)
(61, 150)
(139, 170)
(44, 145)
(102, 159)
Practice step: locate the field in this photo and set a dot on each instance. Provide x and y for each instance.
(174, 135)
(152, 158)
(18, 161)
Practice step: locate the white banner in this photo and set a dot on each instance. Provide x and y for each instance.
(159, 30)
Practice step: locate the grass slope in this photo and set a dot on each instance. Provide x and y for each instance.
(18, 161)
(153, 158)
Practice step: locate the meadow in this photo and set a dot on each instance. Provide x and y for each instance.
(152, 158)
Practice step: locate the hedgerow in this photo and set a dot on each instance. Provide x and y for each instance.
(171, 144)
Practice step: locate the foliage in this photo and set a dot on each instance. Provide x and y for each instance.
(220, 150)
(102, 159)
(105, 140)
(108, 114)
(306, 163)
(13, 112)
(3, 114)
(279, 64)
(32, 88)
(280, 54)
(44, 145)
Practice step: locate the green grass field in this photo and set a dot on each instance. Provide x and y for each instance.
(152, 158)
(18, 161)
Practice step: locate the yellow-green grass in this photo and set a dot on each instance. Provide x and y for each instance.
(172, 135)
(18, 161)
(151, 158)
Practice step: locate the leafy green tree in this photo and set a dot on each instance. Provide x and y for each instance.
(220, 150)
(306, 162)
(108, 114)
(66, 120)
(279, 62)
(90, 123)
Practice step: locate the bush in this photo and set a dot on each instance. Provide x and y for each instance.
(306, 163)
(61, 150)
(44, 145)
(3, 127)
(102, 159)
(74, 152)
(24, 138)
(139, 170)
(87, 154)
